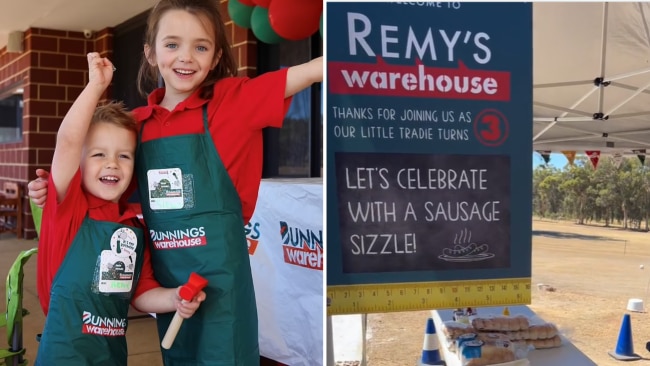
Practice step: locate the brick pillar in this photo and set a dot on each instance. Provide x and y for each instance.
(244, 44)
(52, 70)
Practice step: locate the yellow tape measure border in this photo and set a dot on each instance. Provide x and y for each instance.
(412, 296)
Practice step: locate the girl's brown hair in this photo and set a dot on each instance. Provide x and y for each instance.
(205, 9)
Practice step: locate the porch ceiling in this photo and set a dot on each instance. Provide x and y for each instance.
(74, 15)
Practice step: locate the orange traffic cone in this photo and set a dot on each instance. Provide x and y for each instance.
(625, 347)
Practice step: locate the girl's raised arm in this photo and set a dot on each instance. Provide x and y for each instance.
(302, 76)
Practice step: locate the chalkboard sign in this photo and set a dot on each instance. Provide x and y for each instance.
(429, 141)
(417, 212)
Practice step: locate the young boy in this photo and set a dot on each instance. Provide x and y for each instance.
(92, 258)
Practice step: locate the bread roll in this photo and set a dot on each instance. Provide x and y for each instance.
(500, 323)
(452, 329)
(493, 338)
(478, 353)
(537, 331)
(552, 342)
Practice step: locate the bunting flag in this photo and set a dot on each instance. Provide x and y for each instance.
(570, 156)
(617, 157)
(546, 155)
(593, 156)
(641, 155)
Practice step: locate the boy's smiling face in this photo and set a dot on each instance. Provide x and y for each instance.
(107, 160)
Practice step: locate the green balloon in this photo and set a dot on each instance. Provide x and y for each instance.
(240, 13)
(262, 27)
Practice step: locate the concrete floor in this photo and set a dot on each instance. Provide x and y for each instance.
(144, 347)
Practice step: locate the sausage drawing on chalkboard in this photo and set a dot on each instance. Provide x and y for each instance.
(462, 252)
(459, 250)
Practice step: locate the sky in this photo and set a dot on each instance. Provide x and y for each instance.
(558, 160)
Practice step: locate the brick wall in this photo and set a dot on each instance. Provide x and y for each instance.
(243, 42)
(14, 70)
(53, 70)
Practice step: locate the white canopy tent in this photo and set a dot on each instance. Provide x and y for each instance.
(591, 76)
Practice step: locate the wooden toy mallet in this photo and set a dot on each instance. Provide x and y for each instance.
(187, 292)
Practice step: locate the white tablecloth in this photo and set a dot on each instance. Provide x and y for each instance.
(567, 354)
(286, 252)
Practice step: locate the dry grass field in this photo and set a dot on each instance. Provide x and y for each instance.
(595, 271)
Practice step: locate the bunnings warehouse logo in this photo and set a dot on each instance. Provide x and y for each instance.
(103, 326)
(302, 247)
(252, 231)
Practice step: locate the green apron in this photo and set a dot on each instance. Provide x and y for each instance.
(89, 300)
(194, 216)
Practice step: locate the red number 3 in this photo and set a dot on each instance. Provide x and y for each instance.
(491, 127)
(493, 131)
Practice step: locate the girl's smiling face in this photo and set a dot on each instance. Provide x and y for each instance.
(184, 53)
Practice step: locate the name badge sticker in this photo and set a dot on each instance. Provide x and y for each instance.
(117, 265)
(124, 242)
(116, 272)
(165, 189)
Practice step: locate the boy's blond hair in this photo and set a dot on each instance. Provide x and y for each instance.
(115, 113)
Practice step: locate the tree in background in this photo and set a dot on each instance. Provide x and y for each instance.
(608, 194)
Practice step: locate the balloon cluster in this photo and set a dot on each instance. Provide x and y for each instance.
(273, 21)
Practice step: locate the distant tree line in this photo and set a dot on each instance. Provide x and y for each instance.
(608, 194)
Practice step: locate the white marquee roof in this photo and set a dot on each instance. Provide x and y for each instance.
(591, 76)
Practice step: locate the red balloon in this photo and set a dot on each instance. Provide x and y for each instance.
(248, 2)
(263, 3)
(295, 19)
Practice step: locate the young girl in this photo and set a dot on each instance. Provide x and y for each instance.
(199, 166)
(203, 132)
